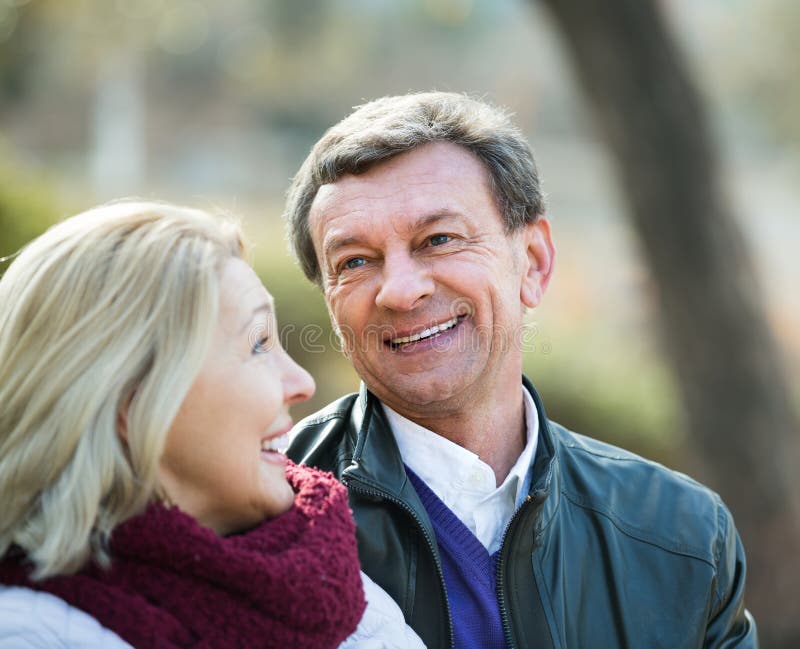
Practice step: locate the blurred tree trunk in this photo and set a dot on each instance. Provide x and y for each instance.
(118, 123)
(713, 328)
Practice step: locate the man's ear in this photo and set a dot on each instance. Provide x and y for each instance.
(540, 254)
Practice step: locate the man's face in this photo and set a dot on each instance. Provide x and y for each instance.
(422, 282)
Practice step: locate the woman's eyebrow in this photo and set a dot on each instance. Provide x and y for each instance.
(265, 307)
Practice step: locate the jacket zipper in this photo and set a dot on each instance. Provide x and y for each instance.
(407, 508)
(501, 600)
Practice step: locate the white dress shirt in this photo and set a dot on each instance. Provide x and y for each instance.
(464, 482)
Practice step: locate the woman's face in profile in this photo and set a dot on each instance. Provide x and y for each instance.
(219, 463)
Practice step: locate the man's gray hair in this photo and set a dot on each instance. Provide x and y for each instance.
(390, 126)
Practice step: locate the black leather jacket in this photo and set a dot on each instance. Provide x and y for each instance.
(608, 550)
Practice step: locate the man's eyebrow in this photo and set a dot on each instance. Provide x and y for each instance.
(268, 306)
(433, 218)
(333, 244)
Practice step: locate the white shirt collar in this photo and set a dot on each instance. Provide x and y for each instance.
(467, 485)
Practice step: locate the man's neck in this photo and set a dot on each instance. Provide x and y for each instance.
(496, 435)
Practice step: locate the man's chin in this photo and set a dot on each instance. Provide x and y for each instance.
(421, 396)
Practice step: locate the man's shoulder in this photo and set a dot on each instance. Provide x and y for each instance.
(338, 409)
(641, 498)
(321, 439)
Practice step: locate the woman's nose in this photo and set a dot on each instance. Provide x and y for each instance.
(298, 386)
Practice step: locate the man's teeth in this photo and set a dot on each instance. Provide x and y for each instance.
(276, 443)
(435, 329)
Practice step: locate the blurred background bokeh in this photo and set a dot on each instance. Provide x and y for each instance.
(215, 104)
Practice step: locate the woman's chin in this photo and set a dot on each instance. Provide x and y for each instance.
(277, 494)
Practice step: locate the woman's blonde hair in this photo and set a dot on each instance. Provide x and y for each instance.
(105, 321)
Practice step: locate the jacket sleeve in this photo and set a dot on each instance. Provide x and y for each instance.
(34, 620)
(730, 625)
(382, 625)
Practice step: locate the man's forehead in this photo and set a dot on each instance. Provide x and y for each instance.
(427, 164)
(327, 211)
(350, 191)
(405, 192)
(328, 194)
(343, 207)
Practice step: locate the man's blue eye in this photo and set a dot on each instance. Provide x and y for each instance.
(355, 262)
(439, 239)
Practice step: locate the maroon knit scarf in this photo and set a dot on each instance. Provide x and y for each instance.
(293, 581)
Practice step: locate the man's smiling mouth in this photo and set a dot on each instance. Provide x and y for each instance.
(427, 333)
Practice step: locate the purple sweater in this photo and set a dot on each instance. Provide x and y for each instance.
(470, 575)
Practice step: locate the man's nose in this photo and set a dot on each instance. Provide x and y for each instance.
(405, 282)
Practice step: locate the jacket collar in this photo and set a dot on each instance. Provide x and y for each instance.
(546, 483)
(376, 458)
(377, 463)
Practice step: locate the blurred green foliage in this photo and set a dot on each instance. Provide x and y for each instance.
(629, 403)
(27, 206)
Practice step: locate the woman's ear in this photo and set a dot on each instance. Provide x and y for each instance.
(538, 264)
(122, 426)
(122, 417)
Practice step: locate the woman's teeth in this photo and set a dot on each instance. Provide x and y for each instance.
(278, 444)
(435, 329)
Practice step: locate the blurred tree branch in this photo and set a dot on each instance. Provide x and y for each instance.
(713, 328)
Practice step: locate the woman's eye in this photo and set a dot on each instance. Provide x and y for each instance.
(439, 239)
(261, 346)
(355, 262)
